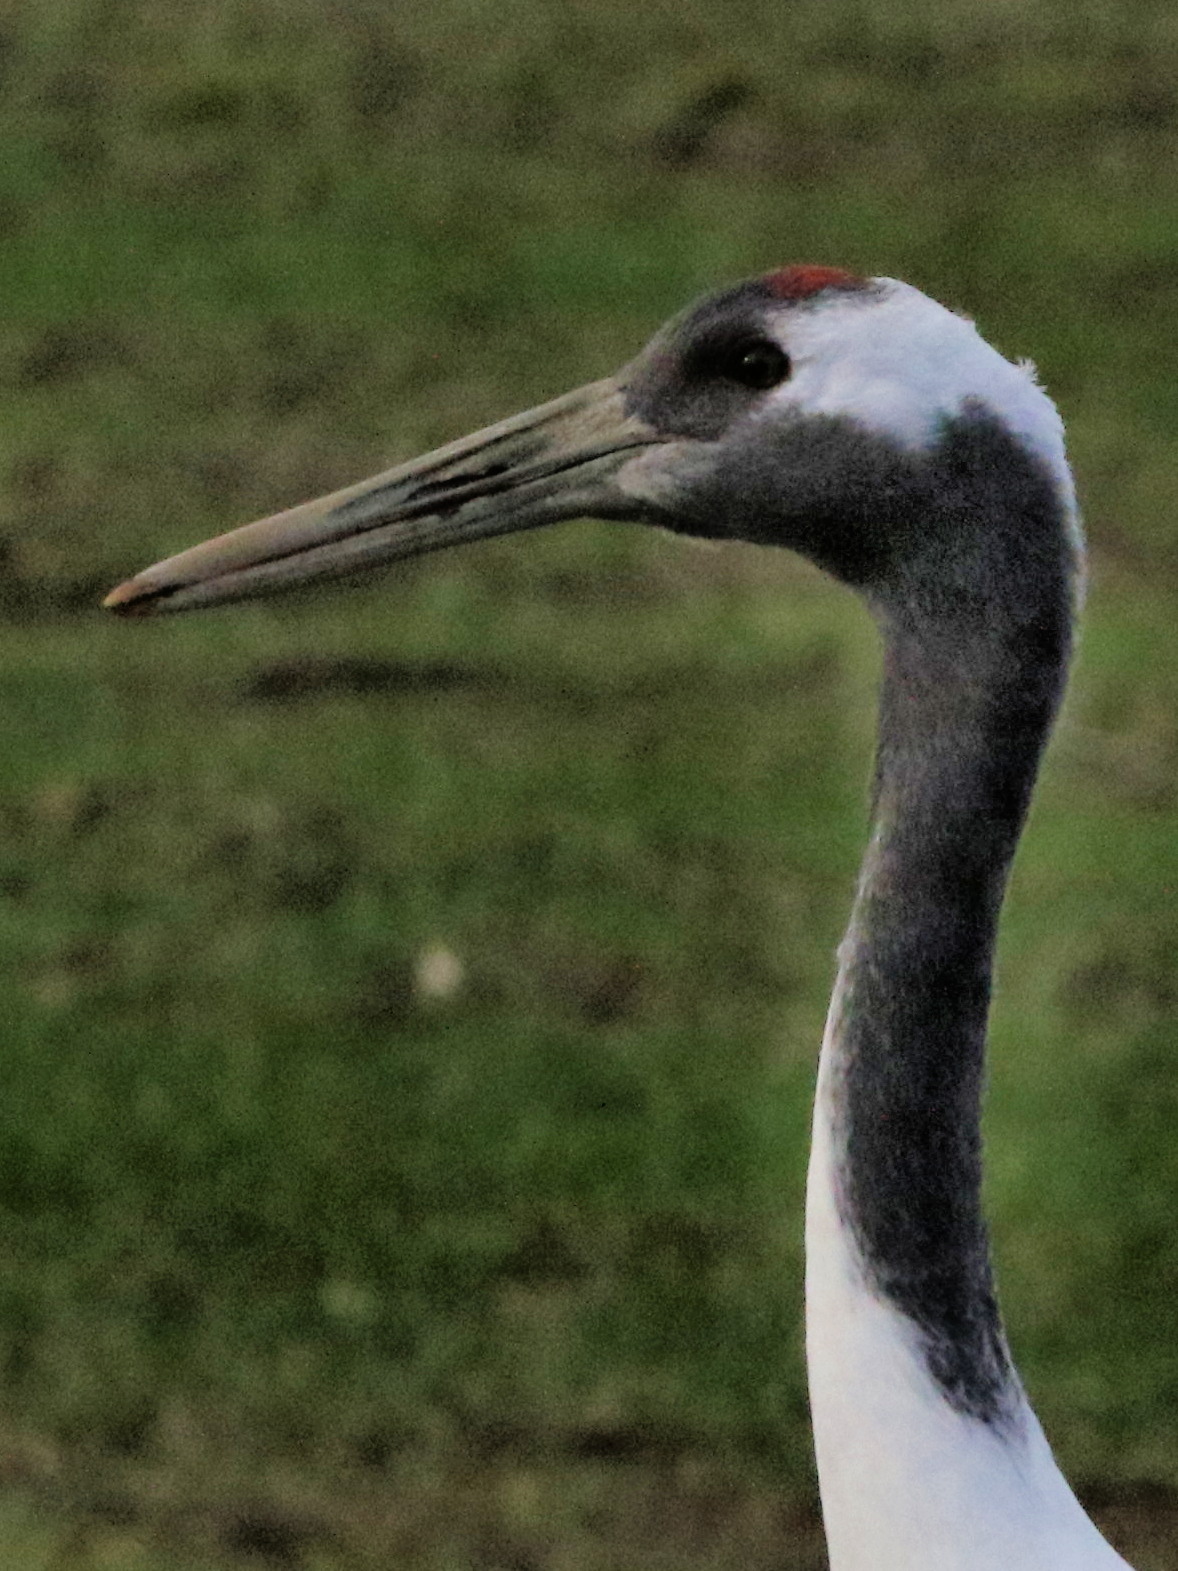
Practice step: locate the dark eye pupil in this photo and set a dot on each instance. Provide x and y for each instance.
(759, 364)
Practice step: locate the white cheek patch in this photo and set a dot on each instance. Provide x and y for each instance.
(900, 365)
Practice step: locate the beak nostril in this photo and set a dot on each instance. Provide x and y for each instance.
(451, 482)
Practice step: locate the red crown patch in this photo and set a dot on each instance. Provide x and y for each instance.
(799, 283)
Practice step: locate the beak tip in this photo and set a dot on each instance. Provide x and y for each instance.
(129, 599)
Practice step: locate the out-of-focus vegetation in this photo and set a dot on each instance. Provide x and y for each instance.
(410, 995)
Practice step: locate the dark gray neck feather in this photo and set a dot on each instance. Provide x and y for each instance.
(977, 637)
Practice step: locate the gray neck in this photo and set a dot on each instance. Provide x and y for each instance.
(969, 694)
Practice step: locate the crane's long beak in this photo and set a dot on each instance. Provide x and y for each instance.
(559, 461)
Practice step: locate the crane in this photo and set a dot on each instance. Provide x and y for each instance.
(858, 422)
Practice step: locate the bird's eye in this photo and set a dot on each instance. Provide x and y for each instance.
(756, 363)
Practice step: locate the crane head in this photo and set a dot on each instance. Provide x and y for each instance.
(810, 408)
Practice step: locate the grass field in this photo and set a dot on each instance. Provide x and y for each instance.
(410, 996)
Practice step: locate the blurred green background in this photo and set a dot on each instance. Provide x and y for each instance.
(410, 994)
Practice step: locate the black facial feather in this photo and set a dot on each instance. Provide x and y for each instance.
(709, 366)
